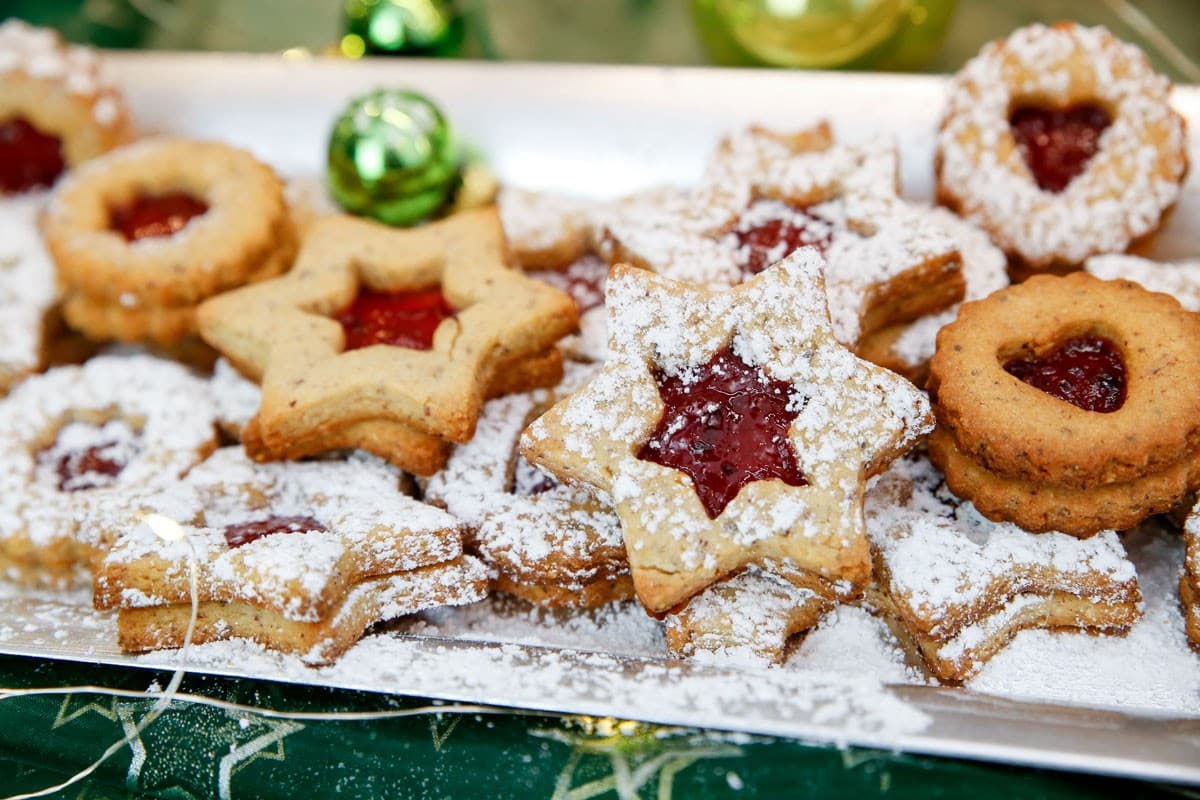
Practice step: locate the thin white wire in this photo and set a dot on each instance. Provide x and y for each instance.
(163, 701)
(1137, 19)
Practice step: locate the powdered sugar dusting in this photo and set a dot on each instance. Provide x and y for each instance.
(1124, 189)
(372, 529)
(1180, 279)
(236, 398)
(141, 391)
(27, 289)
(560, 535)
(1151, 668)
(776, 321)
(38, 53)
(946, 561)
(848, 194)
(984, 271)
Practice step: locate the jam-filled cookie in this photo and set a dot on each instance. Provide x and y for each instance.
(730, 429)
(764, 194)
(75, 435)
(1061, 143)
(301, 557)
(144, 234)
(959, 587)
(388, 339)
(57, 110)
(548, 543)
(1069, 403)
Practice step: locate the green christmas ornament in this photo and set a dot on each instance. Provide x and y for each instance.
(401, 27)
(392, 156)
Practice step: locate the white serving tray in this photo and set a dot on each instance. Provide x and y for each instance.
(602, 131)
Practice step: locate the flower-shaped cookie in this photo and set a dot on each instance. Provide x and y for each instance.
(731, 428)
(74, 436)
(407, 327)
(1061, 142)
(765, 194)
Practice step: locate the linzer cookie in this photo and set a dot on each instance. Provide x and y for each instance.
(1069, 403)
(301, 557)
(765, 194)
(549, 543)
(145, 233)
(960, 587)
(1061, 143)
(753, 616)
(730, 428)
(907, 347)
(27, 291)
(74, 436)
(561, 241)
(1180, 279)
(56, 108)
(1189, 582)
(403, 333)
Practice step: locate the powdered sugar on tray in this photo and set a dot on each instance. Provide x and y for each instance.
(27, 288)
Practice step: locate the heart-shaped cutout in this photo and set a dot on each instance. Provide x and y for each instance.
(1057, 144)
(1087, 371)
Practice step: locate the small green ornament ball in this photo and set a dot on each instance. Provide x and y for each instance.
(392, 156)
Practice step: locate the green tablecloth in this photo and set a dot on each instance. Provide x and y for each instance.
(195, 751)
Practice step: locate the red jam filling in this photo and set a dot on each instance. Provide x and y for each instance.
(1057, 144)
(765, 238)
(155, 215)
(1086, 371)
(726, 427)
(528, 480)
(28, 157)
(91, 468)
(584, 281)
(247, 532)
(401, 319)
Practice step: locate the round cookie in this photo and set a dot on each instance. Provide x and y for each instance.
(1061, 142)
(167, 222)
(55, 100)
(1021, 432)
(1043, 507)
(73, 436)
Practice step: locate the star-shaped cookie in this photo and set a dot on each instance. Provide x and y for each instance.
(320, 376)
(843, 419)
(958, 587)
(766, 193)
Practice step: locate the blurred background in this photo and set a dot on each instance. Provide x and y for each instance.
(913, 35)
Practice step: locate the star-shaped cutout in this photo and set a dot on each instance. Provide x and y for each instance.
(765, 193)
(852, 418)
(285, 331)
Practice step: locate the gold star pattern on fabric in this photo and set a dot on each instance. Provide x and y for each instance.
(765, 193)
(284, 332)
(852, 419)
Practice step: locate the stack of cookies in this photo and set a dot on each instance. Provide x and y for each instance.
(704, 400)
